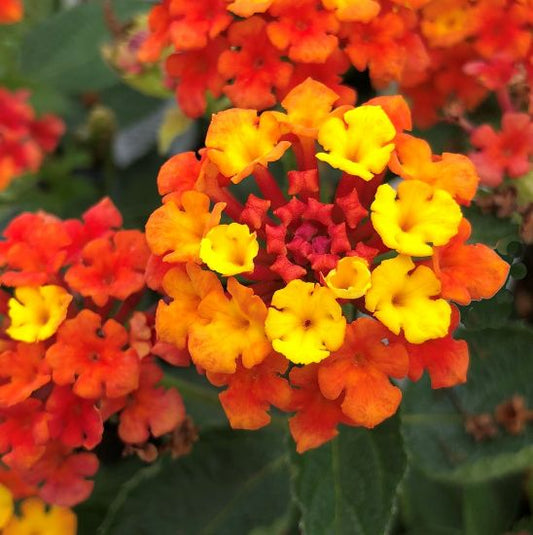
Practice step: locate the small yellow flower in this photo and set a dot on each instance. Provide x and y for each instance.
(6, 506)
(35, 519)
(401, 298)
(361, 144)
(229, 249)
(305, 322)
(416, 218)
(36, 313)
(350, 279)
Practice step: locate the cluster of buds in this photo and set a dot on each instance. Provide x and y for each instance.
(11, 11)
(24, 139)
(313, 298)
(33, 516)
(74, 353)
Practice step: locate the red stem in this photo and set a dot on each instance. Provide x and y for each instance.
(269, 187)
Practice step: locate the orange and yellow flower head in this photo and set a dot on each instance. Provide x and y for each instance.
(311, 293)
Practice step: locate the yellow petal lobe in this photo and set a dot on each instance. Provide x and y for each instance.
(350, 279)
(361, 144)
(305, 322)
(415, 218)
(36, 519)
(229, 249)
(6, 506)
(37, 312)
(401, 297)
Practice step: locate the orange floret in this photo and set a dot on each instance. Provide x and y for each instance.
(445, 359)
(454, 173)
(252, 391)
(238, 140)
(317, 417)
(361, 369)
(91, 356)
(253, 65)
(187, 287)
(466, 271)
(150, 409)
(302, 27)
(111, 267)
(22, 371)
(232, 327)
(176, 233)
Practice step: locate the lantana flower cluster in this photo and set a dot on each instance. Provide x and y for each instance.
(24, 138)
(74, 353)
(313, 292)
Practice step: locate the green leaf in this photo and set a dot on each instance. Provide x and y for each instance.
(433, 420)
(63, 51)
(348, 486)
(489, 313)
(431, 507)
(109, 481)
(491, 230)
(231, 483)
(200, 397)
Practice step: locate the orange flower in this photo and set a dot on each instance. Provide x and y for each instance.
(75, 421)
(91, 356)
(454, 173)
(23, 433)
(445, 359)
(150, 409)
(317, 417)
(253, 65)
(110, 267)
(178, 175)
(61, 475)
(252, 391)
(308, 105)
(233, 327)
(353, 10)
(361, 369)
(246, 8)
(238, 140)
(304, 29)
(177, 233)
(196, 72)
(11, 11)
(22, 371)
(34, 249)
(187, 287)
(466, 271)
